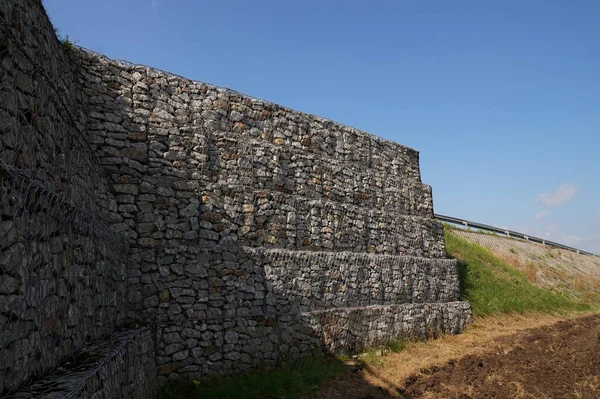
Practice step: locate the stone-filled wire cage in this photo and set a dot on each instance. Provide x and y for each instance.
(239, 232)
(62, 269)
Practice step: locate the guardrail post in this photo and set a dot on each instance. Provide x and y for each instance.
(457, 221)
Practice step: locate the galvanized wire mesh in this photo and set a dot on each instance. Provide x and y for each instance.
(62, 269)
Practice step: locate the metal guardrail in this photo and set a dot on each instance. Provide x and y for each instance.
(508, 233)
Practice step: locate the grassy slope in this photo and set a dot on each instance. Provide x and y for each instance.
(493, 287)
(490, 285)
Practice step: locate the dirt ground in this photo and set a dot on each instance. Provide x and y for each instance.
(513, 357)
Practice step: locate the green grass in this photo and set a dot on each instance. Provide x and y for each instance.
(286, 381)
(67, 43)
(397, 346)
(373, 355)
(493, 287)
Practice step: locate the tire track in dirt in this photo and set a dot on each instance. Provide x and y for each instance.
(557, 361)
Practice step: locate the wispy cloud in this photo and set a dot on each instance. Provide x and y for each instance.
(154, 5)
(542, 214)
(590, 243)
(598, 218)
(561, 195)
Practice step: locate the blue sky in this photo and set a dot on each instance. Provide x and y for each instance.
(501, 98)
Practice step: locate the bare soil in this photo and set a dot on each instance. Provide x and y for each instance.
(559, 359)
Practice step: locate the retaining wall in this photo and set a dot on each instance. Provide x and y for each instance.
(242, 233)
(63, 272)
(122, 366)
(240, 212)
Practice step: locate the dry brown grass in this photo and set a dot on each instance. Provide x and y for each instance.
(530, 272)
(587, 283)
(583, 388)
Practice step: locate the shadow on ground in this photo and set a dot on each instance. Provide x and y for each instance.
(560, 360)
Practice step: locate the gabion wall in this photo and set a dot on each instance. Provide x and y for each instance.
(63, 271)
(121, 366)
(207, 180)
(240, 232)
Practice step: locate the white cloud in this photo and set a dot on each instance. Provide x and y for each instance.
(552, 231)
(542, 214)
(598, 218)
(563, 194)
(589, 243)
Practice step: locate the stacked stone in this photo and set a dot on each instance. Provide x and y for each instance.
(247, 222)
(242, 231)
(351, 330)
(120, 367)
(305, 281)
(62, 271)
(283, 220)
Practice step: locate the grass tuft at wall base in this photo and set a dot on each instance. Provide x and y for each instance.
(493, 287)
(285, 382)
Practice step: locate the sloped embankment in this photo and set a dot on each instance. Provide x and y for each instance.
(560, 270)
(493, 286)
